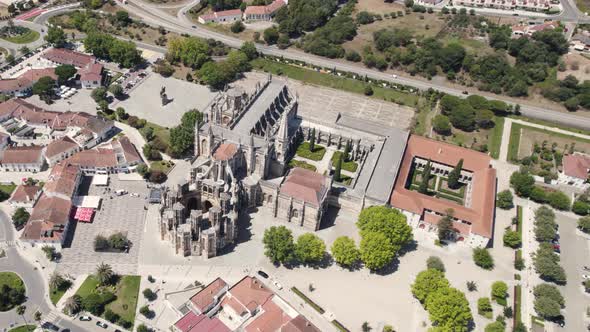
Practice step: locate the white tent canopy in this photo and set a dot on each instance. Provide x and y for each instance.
(100, 180)
(87, 201)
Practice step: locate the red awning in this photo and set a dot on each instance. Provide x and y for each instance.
(84, 214)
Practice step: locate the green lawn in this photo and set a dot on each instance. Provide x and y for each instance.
(24, 328)
(56, 295)
(11, 279)
(317, 154)
(301, 164)
(162, 166)
(127, 294)
(87, 287)
(517, 303)
(333, 81)
(27, 37)
(350, 165)
(7, 189)
(496, 137)
(345, 179)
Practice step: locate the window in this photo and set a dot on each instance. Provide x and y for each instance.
(295, 213)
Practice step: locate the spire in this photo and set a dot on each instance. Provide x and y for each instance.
(283, 133)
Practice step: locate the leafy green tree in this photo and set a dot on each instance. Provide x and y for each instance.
(546, 307)
(149, 294)
(449, 310)
(441, 124)
(434, 262)
(271, 35)
(390, 222)
(64, 73)
(483, 258)
(376, 250)
(522, 183)
(56, 36)
(546, 264)
(122, 18)
(520, 327)
(99, 94)
(550, 291)
(505, 200)
(310, 248)
(427, 283)
(423, 188)
(116, 90)
(237, 27)
(484, 305)
(93, 304)
(584, 224)
(20, 217)
(499, 290)
(142, 328)
(345, 252)
(121, 114)
(56, 281)
(182, 136)
(463, 117)
(338, 169)
(278, 244)
(249, 48)
(559, 200)
(44, 88)
(445, 227)
(512, 239)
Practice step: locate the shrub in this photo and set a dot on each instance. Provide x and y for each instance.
(149, 294)
(441, 124)
(504, 200)
(483, 258)
(434, 262)
(499, 290)
(111, 316)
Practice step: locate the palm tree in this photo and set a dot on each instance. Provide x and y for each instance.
(73, 304)
(471, 286)
(55, 281)
(104, 273)
(37, 316)
(20, 310)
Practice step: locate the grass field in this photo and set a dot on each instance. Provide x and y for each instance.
(317, 154)
(495, 137)
(23, 328)
(56, 295)
(7, 189)
(28, 37)
(162, 166)
(127, 294)
(11, 279)
(332, 81)
(301, 164)
(350, 165)
(88, 286)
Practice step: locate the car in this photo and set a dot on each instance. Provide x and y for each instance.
(394, 76)
(85, 318)
(556, 247)
(194, 26)
(560, 320)
(465, 92)
(555, 241)
(134, 194)
(101, 324)
(263, 274)
(117, 330)
(278, 285)
(585, 276)
(50, 326)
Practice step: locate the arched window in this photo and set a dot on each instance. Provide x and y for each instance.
(295, 213)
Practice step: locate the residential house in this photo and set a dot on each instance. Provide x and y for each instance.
(23, 159)
(22, 86)
(225, 16)
(575, 170)
(60, 149)
(263, 13)
(25, 196)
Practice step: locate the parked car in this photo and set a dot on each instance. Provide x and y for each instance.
(50, 326)
(85, 318)
(278, 284)
(263, 274)
(101, 324)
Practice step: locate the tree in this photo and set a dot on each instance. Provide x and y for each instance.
(49, 251)
(366, 327)
(549, 291)
(484, 305)
(520, 327)
(64, 73)
(434, 262)
(73, 304)
(449, 310)
(471, 286)
(483, 258)
(499, 290)
(409, 3)
(546, 264)
(111, 316)
(249, 48)
(44, 88)
(441, 124)
(99, 94)
(368, 90)
(101, 243)
(116, 90)
(559, 200)
(20, 217)
(508, 313)
(142, 170)
(312, 141)
(56, 36)
(338, 169)
(423, 188)
(390, 222)
(122, 17)
(511, 239)
(121, 114)
(376, 250)
(278, 244)
(149, 294)
(37, 316)
(522, 183)
(427, 283)
(345, 251)
(547, 308)
(104, 273)
(310, 248)
(504, 200)
(237, 27)
(145, 310)
(20, 310)
(455, 175)
(445, 227)
(584, 224)
(56, 281)
(24, 50)
(142, 328)
(271, 35)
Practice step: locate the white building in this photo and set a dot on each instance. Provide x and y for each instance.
(225, 16)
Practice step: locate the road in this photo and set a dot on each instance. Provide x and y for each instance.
(37, 292)
(574, 253)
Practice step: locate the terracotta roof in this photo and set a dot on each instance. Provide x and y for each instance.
(98, 157)
(271, 319)
(305, 185)
(62, 179)
(23, 155)
(58, 146)
(481, 212)
(576, 165)
(205, 297)
(192, 322)
(268, 9)
(91, 72)
(129, 150)
(50, 215)
(299, 324)
(68, 57)
(225, 151)
(26, 80)
(248, 294)
(4, 138)
(34, 75)
(24, 193)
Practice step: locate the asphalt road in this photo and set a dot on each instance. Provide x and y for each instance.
(574, 255)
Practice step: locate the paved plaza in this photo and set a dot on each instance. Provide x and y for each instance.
(144, 100)
(116, 214)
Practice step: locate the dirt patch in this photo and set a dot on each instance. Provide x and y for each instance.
(529, 137)
(576, 65)
(378, 6)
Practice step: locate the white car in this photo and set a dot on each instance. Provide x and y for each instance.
(134, 194)
(277, 284)
(585, 276)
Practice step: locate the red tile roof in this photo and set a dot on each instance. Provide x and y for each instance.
(271, 319)
(305, 185)
(225, 151)
(25, 193)
(206, 297)
(23, 155)
(248, 294)
(129, 150)
(299, 324)
(192, 322)
(49, 218)
(62, 179)
(576, 165)
(481, 212)
(58, 146)
(26, 80)
(268, 9)
(91, 72)
(68, 57)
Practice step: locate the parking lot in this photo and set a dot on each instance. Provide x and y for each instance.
(116, 214)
